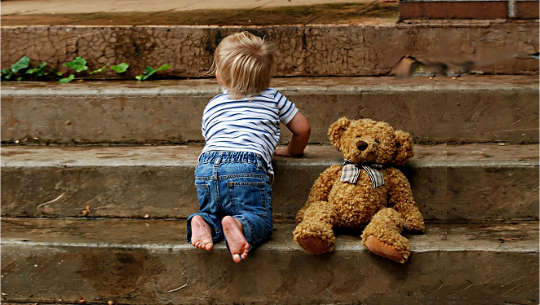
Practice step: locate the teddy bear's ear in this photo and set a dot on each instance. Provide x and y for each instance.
(404, 147)
(336, 131)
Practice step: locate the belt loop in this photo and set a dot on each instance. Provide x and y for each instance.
(260, 165)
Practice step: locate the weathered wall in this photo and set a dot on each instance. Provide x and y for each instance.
(495, 47)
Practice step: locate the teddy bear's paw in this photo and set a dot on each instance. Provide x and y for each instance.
(315, 244)
(315, 238)
(382, 249)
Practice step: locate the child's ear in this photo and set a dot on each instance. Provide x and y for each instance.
(404, 147)
(336, 130)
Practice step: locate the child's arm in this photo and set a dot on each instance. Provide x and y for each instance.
(300, 129)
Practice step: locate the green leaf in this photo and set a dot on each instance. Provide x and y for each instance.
(66, 80)
(78, 64)
(60, 73)
(38, 71)
(19, 78)
(149, 71)
(22, 63)
(6, 74)
(120, 68)
(163, 67)
(99, 70)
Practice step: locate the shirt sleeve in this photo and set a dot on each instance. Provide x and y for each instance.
(286, 109)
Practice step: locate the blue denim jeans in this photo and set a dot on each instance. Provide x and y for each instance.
(234, 184)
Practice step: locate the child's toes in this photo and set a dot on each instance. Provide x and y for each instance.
(246, 251)
(236, 258)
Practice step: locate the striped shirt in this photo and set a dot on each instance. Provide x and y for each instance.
(250, 124)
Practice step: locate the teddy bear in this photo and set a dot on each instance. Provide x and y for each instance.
(366, 194)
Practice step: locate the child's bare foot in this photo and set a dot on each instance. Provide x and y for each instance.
(201, 234)
(239, 247)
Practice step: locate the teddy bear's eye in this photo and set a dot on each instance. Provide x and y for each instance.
(377, 141)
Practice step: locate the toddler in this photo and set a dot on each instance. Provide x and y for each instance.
(241, 129)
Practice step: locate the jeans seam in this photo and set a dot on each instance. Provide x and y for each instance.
(259, 176)
(216, 178)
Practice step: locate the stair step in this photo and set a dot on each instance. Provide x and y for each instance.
(439, 110)
(364, 48)
(468, 9)
(237, 12)
(142, 262)
(473, 182)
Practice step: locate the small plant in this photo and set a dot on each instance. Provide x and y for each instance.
(78, 64)
(21, 64)
(22, 69)
(99, 70)
(38, 71)
(120, 68)
(149, 71)
(66, 80)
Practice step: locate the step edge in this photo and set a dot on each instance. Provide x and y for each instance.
(480, 86)
(167, 247)
(178, 164)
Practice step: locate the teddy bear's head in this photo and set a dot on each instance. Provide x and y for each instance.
(368, 141)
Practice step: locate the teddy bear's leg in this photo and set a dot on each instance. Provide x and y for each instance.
(315, 233)
(382, 236)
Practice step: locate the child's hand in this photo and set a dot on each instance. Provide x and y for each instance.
(284, 152)
(300, 129)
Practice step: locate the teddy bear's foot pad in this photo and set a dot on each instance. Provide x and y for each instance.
(315, 245)
(378, 247)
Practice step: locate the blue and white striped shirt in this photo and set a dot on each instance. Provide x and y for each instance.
(249, 124)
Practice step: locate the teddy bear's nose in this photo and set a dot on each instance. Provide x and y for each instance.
(362, 145)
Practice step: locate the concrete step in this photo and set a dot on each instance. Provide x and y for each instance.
(463, 183)
(438, 110)
(186, 12)
(149, 262)
(362, 48)
(468, 9)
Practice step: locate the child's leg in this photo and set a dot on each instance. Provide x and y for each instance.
(247, 196)
(250, 224)
(204, 228)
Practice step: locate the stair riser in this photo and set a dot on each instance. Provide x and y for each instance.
(430, 114)
(144, 276)
(443, 193)
(314, 50)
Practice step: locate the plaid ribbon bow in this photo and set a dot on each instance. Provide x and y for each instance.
(351, 172)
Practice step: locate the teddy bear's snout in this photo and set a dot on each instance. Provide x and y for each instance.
(362, 145)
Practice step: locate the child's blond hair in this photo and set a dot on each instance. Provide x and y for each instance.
(244, 63)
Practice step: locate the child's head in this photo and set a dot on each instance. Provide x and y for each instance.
(243, 64)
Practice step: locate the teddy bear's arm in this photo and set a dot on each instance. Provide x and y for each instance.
(402, 199)
(321, 188)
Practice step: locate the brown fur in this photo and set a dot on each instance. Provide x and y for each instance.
(381, 213)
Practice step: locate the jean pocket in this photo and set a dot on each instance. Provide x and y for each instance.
(248, 195)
